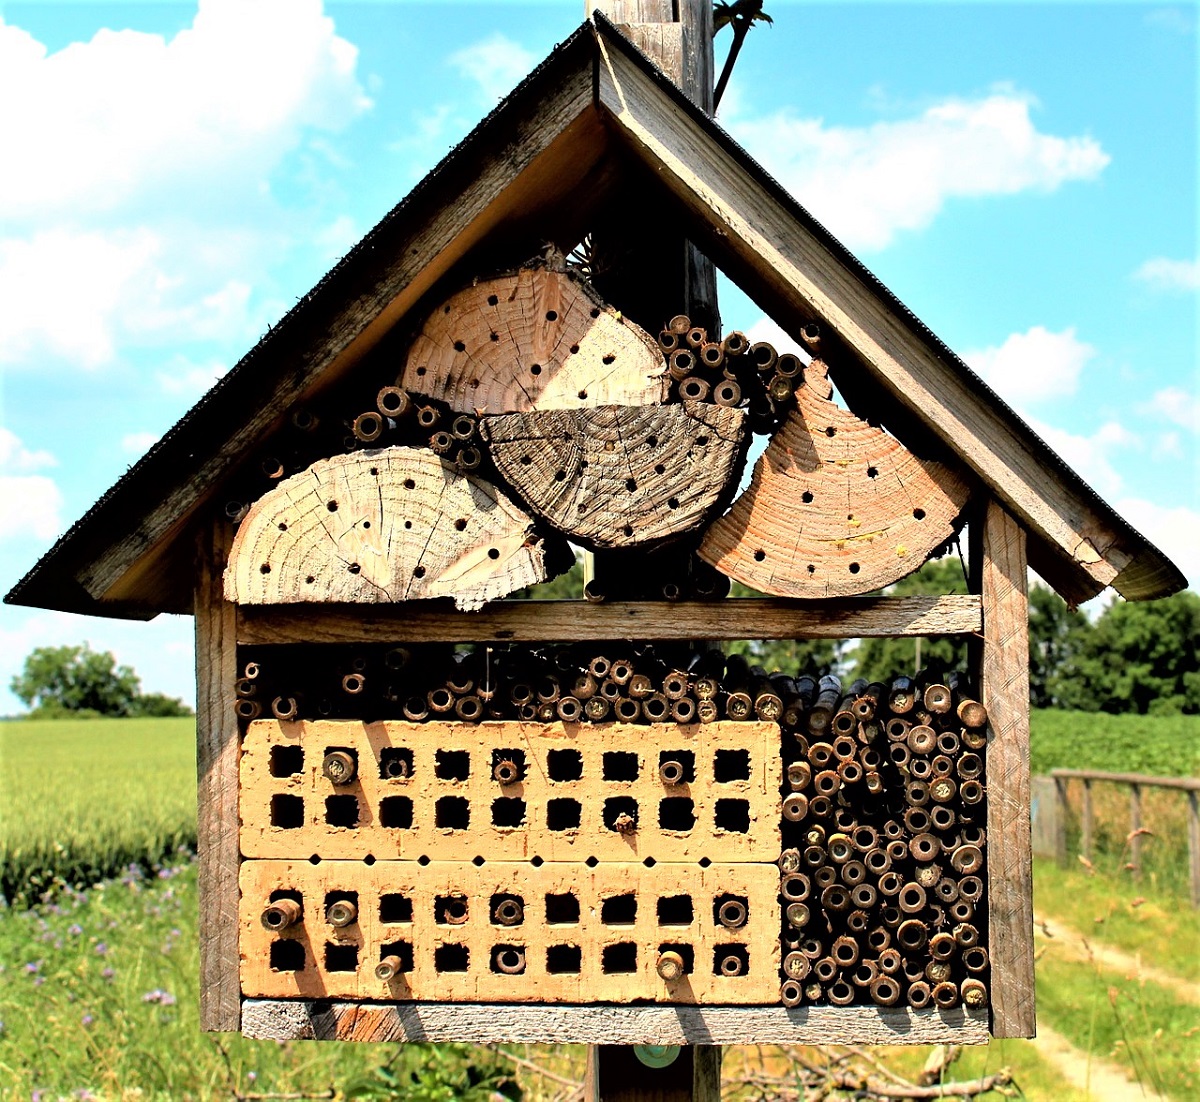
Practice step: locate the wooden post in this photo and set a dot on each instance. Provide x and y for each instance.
(1194, 844)
(1060, 822)
(217, 798)
(1135, 826)
(999, 564)
(1088, 821)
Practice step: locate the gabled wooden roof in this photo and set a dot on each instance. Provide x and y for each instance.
(595, 115)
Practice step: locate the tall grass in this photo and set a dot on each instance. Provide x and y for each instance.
(81, 799)
(1164, 746)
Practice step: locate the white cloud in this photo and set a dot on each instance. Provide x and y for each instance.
(496, 64)
(767, 330)
(1174, 531)
(137, 443)
(1176, 405)
(1033, 366)
(30, 504)
(108, 122)
(1164, 274)
(189, 380)
(16, 458)
(1091, 457)
(866, 184)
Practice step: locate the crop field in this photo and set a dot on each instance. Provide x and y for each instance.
(98, 981)
(1165, 746)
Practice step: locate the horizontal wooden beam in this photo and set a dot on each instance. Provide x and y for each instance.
(282, 1020)
(1190, 784)
(541, 621)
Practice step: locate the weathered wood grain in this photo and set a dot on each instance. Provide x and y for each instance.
(756, 234)
(536, 339)
(677, 1025)
(1005, 689)
(217, 793)
(835, 507)
(533, 621)
(372, 527)
(620, 476)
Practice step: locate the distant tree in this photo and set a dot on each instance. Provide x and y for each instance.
(80, 681)
(1057, 636)
(790, 656)
(1141, 656)
(883, 659)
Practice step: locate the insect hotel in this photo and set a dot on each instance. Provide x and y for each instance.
(432, 810)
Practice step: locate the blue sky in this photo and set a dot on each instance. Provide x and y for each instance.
(1023, 176)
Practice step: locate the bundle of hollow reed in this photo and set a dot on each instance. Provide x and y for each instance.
(882, 875)
(732, 372)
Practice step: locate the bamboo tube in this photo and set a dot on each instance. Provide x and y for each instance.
(281, 914)
(810, 335)
(285, 707)
(597, 709)
(428, 417)
(727, 393)
(763, 356)
(670, 965)
(393, 402)
(681, 364)
(679, 324)
(694, 389)
(341, 913)
(389, 968)
(508, 912)
(696, 337)
(339, 767)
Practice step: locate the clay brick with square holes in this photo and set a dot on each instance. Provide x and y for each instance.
(608, 953)
(731, 812)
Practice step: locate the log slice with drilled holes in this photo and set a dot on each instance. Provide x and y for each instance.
(381, 526)
(621, 476)
(835, 507)
(536, 339)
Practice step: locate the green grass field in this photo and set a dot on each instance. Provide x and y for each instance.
(1165, 746)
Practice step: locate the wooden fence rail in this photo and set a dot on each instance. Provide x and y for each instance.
(1136, 782)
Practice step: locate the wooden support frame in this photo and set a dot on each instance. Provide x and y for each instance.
(999, 565)
(217, 747)
(544, 621)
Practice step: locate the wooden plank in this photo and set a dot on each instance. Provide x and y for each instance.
(217, 796)
(1135, 830)
(550, 148)
(784, 263)
(1193, 830)
(286, 1020)
(533, 621)
(1191, 784)
(999, 554)
(706, 1073)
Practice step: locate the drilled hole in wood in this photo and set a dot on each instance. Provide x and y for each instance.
(286, 761)
(563, 960)
(354, 568)
(559, 476)
(508, 812)
(422, 371)
(451, 958)
(620, 765)
(733, 816)
(563, 814)
(807, 497)
(627, 530)
(309, 579)
(659, 468)
(332, 506)
(831, 431)
(583, 395)
(731, 765)
(452, 813)
(409, 484)
(459, 346)
(574, 350)
(676, 813)
(759, 555)
(287, 956)
(918, 514)
(619, 959)
(282, 526)
(396, 813)
(492, 300)
(564, 765)
(394, 907)
(854, 568)
(287, 812)
(495, 337)
(562, 909)
(672, 503)
(872, 472)
(812, 569)
(608, 359)
(493, 553)
(631, 484)
(535, 369)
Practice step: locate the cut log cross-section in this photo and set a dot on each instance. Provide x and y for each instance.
(620, 476)
(835, 507)
(536, 339)
(381, 526)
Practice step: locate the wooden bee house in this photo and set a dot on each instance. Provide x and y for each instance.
(397, 844)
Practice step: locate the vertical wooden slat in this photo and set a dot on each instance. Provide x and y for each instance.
(1135, 828)
(1060, 822)
(1002, 571)
(706, 1073)
(216, 763)
(1194, 845)
(1088, 820)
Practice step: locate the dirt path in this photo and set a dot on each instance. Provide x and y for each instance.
(1072, 944)
(1097, 1078)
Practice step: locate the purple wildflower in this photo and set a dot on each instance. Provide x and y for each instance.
(102, 948)
(33, 967)
(87, 1020)
(74, 929)
(108, 974)
(163, 998)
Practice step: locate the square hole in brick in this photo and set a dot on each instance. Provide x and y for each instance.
(452, 765)
(731, 765)
(731, 960)
(515, 757)
(684, 950)
(401, 949)
(562, 909)
(563, 814)
(287, 761)
(340, 957)
(395, 763)
(617, 807)
(508, 812)
(396, 812)
(686, 759)
(620, 765)
(619, 959)
(287, 812)
(395, 907)
(452, 813)
(620, 910)
(508, 960)
(563, 960)
(564, 765)
(676, 813)
(287, 956)
(450, 910)
(733, 815)
(341, 811)
(451, 958)
(675, 910)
